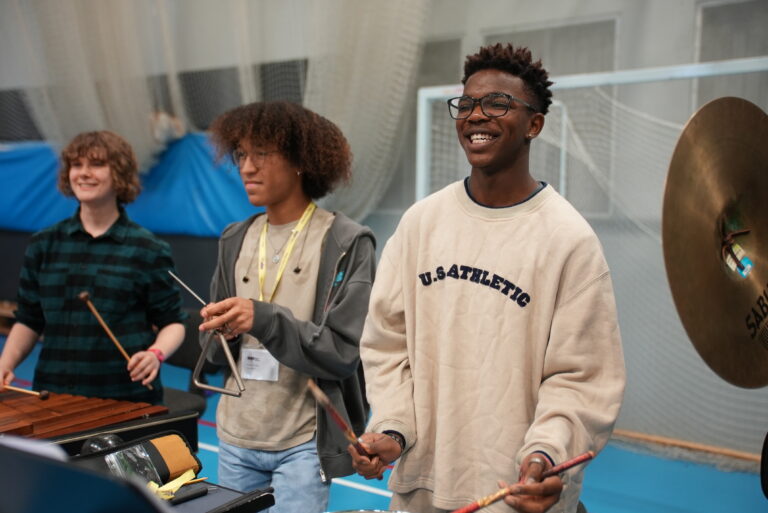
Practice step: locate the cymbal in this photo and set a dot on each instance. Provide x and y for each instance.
(715, 237)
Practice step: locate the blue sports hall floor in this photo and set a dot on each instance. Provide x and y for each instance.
(619, 480)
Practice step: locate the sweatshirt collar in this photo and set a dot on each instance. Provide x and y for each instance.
(528, 205)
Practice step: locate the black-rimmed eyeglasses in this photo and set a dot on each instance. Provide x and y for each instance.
(493, 105)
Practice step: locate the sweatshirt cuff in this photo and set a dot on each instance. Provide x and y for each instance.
(551, 461)
(409, 435)
(397, 437)
(263, 319)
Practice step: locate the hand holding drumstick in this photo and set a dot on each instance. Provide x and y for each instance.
(321, 398)
(533, 486)
(360, 456)
(85, 297)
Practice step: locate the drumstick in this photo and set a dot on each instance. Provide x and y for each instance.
(193, 481)
(85, 297)
(326, 403)
(578, 460)
(489, 499)
(43, 394)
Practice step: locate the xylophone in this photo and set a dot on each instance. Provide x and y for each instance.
(64, 414)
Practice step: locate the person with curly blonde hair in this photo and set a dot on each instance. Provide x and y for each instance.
(122, 266)
(290, 292)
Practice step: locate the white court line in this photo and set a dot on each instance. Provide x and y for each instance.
(365, 488)
(208, 447)
(342, 482)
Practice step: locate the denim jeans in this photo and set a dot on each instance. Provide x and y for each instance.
(293, 473)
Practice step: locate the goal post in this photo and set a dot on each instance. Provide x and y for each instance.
(430, 98)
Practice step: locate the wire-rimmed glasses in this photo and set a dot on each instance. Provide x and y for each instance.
(493, 105)
(257, 157)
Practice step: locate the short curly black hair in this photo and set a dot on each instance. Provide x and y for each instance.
(308, 140)
(515, 61)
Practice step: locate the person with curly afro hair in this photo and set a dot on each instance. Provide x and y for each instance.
(290, 292)
(121, 265)
(491, 349)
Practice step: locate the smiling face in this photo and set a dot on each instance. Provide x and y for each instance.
(493, 145)
(91, 181)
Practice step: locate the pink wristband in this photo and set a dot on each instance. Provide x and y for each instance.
(158, 353)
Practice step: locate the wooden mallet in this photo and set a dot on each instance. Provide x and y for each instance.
(43, 394)
(500, 494)
(85, 297)
(336, 416)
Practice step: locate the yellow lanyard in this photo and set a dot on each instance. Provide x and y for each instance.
(305, 217)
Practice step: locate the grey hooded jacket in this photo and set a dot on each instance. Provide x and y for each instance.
(325, 348)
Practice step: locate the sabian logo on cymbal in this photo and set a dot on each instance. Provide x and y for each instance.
(757, 316)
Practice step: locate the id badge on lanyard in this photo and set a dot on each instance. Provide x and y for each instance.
(258, 364)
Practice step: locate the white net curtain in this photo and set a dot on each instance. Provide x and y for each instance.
(152, 69)
(610, 160)
(85, 69)
(608, 150)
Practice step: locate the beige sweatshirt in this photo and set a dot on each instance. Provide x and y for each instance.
(491, 334)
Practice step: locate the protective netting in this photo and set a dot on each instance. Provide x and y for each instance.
(610, 160)
(139, 68)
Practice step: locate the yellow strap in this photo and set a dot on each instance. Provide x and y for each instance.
(305, 217)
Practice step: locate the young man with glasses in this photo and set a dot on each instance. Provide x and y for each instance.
(290, 291)
(491, 349)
